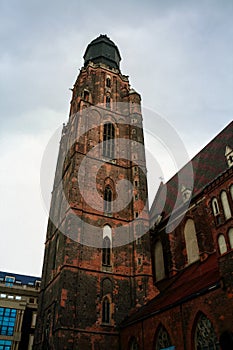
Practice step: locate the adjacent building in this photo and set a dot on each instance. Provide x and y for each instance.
(18, 310)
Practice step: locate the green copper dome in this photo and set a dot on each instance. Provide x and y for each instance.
(102, 50)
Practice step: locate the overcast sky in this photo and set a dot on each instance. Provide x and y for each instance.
(178, 55)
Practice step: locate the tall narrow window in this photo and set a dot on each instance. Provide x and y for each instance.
(106, 310)
(216, 210)
(230, 235)
(159, 261)
(108, 82)
(222, 244)
(163, 340)
(225, 205)
(108, 101)
(191, 241)
(231, 190)
(205, 337)
(106, 251)
(108, 200)
(108, 144)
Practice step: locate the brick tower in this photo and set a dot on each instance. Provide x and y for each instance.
(97, 257)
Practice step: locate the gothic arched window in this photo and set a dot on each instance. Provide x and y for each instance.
(108, 82)
(205, 337)
(159, 261)
(216, 210)
(107, 238)
(108, 140)
(163, 340)
(106, 310)
(222, 244)
(191, 241)
(230, 235)
(225, 205)
(108, 200)
(108, 100)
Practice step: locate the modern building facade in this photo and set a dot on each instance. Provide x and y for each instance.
(18, 310)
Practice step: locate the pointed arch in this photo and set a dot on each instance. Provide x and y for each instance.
(159, 261)
(230, 236)
(191, 241)
(107, 245)
(222, 244)
(108, 197)
(225, 205)
(162, 338)
(108, 140)
(204, 334)
(106, 310)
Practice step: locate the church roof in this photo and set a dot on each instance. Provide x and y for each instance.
(102, 50)
(206, 166)
(177, 290)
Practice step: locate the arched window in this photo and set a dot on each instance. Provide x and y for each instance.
(106, 310)
(107, 239)
(108, 140)
(215, 207)
(230, 235)
(159, 261)
(108, 82)
(163, 340)
(191, 241)
(225, 205)
(205, 337)
(133, 344)
(222, 244)
(108, 200)
(108, 101)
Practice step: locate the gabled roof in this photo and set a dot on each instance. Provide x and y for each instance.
(177, 290)
(207, 165)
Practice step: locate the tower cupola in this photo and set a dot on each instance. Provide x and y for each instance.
(102, 50)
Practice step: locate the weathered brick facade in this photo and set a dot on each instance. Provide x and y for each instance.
(98, 290)
(75, 281)
(203, 288)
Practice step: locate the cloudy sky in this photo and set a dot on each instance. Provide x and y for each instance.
(178, 55)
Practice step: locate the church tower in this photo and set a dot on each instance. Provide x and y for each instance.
(97, 250)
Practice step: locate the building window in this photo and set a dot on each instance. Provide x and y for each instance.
(108, 82)
(163, 340)
(9, 281)
(106, 251)
(34, 315)
(215, 209)
(133, 345)
(231, 191)
(225, 205)
(205, 337)
(106, 310)
(5, 344)
(159, 261)
(107, 239)
(191, 241)
(108, 200)
(7, 321)
(222, 244)
(108, 102)
(108, 140)
(230, 235)
(86, 95)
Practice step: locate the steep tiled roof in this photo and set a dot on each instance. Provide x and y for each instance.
(207, 165)
(204, 276)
